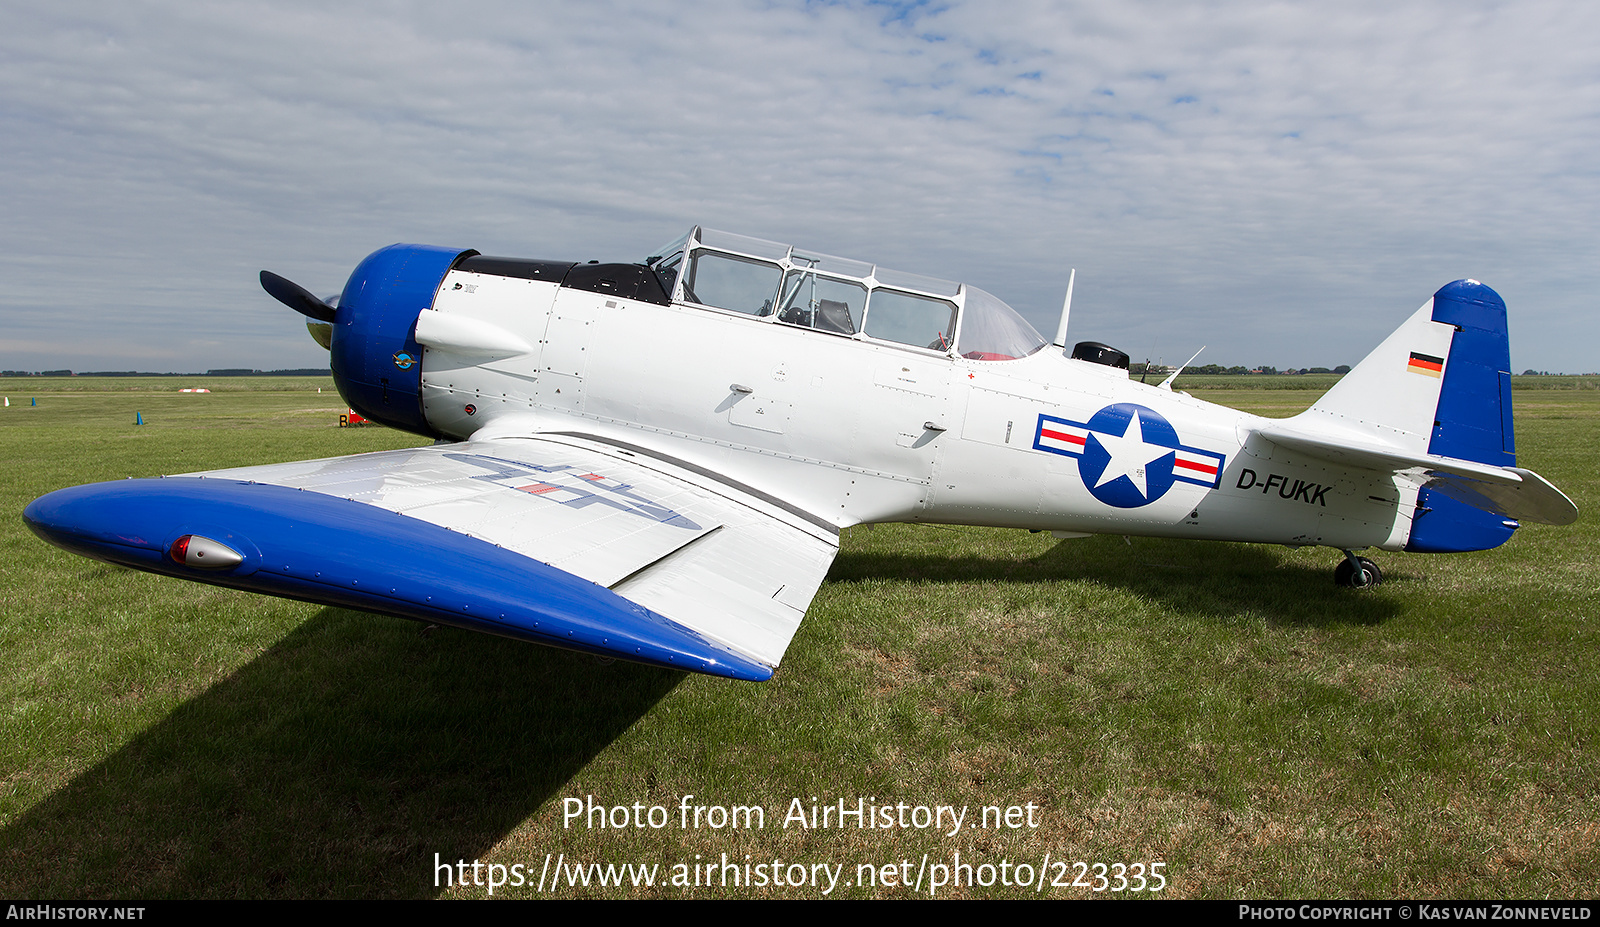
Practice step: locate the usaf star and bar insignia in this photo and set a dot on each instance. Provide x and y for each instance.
(1128, 455)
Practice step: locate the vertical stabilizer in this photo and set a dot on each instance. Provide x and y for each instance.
(1473, 421)
(1441, 385)
(1474, 417)
(1392, 395)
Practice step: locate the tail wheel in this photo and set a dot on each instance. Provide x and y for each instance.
(1345, 573)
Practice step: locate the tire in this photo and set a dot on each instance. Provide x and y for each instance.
(1345, 575)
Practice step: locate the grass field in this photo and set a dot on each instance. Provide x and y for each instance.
(1221, 710)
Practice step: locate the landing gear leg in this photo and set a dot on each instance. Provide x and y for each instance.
(1357, 572)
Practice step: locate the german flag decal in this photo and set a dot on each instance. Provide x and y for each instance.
(1425, 364)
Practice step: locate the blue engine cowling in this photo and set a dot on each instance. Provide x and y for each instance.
(377, 363)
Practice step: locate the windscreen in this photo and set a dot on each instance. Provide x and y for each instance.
(992, 330)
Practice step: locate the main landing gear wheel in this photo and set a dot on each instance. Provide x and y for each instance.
(1357, 572)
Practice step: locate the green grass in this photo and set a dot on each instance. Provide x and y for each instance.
(1221, 709)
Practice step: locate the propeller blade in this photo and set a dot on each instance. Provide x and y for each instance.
(296, 297)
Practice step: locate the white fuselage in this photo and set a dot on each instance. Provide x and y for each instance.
(855, 430)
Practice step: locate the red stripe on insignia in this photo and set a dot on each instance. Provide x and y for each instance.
(1071, 439)
(1190, 465)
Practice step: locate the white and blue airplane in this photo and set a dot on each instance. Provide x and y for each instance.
(653, 461)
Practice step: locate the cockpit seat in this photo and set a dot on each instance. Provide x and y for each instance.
(834, 316)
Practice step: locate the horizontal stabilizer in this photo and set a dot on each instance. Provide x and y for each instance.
(1510, 492)
(1368, 454)
(1534, 499)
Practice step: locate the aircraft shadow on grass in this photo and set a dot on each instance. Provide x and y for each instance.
(333, 766)
(1210, 578)
(342, 759)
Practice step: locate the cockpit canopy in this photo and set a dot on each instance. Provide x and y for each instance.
(768, 280)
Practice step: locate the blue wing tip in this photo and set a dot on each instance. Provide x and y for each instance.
(335, 551)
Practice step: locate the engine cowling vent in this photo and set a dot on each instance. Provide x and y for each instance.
(1096, 353)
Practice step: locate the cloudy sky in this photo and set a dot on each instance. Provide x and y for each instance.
(1283, 182)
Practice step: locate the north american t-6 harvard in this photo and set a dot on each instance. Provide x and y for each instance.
(653, 461)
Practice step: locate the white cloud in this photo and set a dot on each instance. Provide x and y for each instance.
(1280, 181)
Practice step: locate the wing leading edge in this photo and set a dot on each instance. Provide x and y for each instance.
(561, 540)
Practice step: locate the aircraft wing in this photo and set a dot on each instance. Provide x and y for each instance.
(1508, 491)
(561, 539)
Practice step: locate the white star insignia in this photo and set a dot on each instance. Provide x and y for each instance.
(1129, 456)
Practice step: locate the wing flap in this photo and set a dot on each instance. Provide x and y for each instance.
(729, 589)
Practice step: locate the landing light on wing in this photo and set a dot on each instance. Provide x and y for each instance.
(203, 553)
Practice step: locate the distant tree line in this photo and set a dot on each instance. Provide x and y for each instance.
(295, 372)
(1219, 370)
